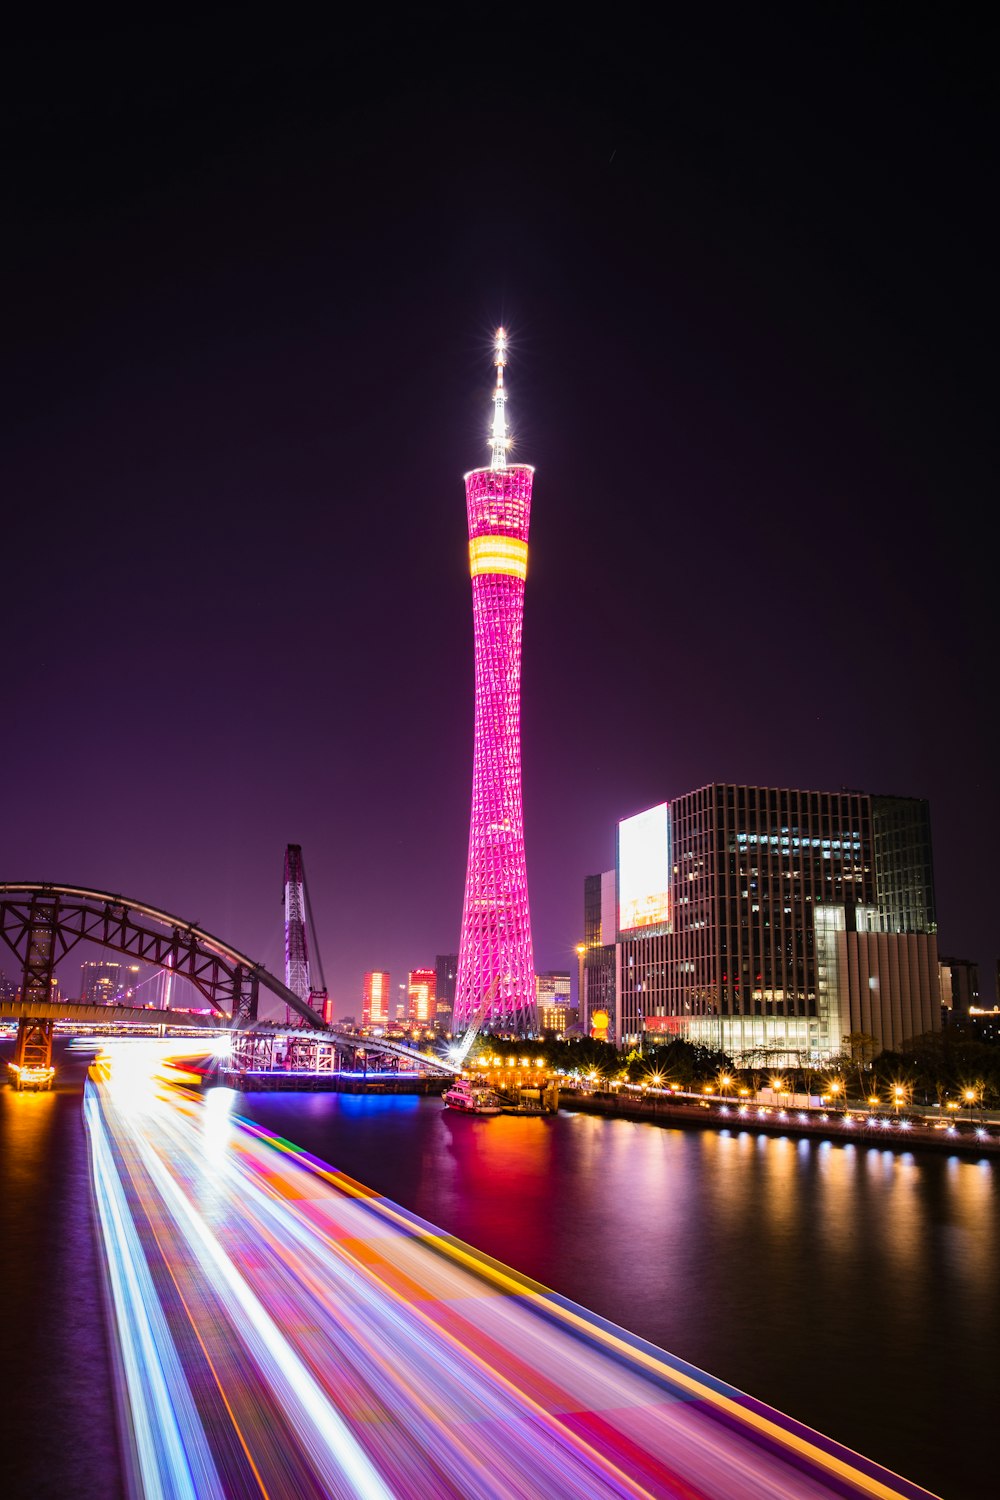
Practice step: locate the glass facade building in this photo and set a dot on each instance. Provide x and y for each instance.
(598, 966)
(751, 867)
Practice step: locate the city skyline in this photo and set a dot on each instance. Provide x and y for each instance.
(747, 296)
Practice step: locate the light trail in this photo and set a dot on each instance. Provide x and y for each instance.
(284, 1331)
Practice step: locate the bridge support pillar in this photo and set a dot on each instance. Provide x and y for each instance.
(32, 1062)
(33, 1048)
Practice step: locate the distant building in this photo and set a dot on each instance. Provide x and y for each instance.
(106, 982)
(375, 999)
(959, 986)
(445, 973)
(422, 1002)
(600, 931)
(771, 922)
(984, 1025)
(553, 1001)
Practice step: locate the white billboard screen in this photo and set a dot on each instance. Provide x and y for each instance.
(644, 871)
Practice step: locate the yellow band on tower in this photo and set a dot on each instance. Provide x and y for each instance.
(498, 554)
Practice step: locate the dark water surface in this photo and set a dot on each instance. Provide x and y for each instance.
(853, 1288)
(57, 1414)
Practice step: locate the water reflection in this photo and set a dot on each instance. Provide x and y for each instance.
(798, 1271)
(54, 1366)
(26, 1127)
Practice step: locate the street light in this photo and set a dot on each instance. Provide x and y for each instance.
(970, 1096)
(898, 1096)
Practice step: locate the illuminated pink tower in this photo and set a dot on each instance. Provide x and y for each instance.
(496, 970)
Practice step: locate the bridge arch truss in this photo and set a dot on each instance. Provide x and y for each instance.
(41, 923)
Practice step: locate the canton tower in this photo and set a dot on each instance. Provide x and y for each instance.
(496, 970)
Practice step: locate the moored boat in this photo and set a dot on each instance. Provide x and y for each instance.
(471, 1099)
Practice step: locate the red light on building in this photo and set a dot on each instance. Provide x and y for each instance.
(375, 998)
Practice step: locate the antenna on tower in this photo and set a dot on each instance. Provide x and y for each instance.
(498, 438)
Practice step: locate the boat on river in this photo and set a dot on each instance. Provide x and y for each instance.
(471, 1098)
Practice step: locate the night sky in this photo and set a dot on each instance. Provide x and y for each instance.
(251, 278)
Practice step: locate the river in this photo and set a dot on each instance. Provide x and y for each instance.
(854, 1288)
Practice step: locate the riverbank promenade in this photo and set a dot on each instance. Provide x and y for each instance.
(978, 1135)
(283, 1330)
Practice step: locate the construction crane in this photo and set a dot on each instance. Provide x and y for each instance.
(461, 1050)
(299, 917)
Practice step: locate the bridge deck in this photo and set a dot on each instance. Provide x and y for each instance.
(285, 1331)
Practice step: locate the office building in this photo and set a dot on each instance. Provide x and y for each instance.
(422, 1002)
(597, 969)
(106, 982)
(445, 975)
(553, 1001)
(375, 999)
(774, 921)
(959, 986)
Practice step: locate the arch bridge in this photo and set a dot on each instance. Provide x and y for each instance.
(41, 923)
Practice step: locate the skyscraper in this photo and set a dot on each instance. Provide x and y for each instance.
(495, 959)
(775, 920)
(107, 982)
(420, 993)
(600, 932)
(446, 973)
(375, 998)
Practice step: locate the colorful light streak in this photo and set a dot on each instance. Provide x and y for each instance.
(285, 1331)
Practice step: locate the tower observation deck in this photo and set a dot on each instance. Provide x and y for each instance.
(495, 952)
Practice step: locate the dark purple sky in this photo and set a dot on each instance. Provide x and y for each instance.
(251, 279)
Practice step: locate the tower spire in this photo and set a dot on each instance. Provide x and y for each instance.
(498, 439)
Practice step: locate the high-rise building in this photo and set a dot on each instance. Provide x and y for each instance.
(102, 983)
(776, 920)
(959, 985)
(495, 958)
(600, 930)
(553, 1000)
(445, 972)
(376, 999)
(421, 985)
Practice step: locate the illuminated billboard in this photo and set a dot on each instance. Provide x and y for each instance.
(644, 872)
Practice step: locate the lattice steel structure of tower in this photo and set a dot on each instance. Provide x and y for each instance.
(297, 969)
(495, 953)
